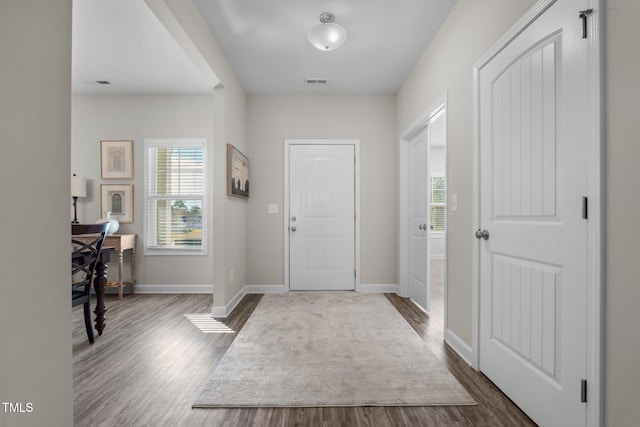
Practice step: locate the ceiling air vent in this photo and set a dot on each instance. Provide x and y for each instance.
(315, 82)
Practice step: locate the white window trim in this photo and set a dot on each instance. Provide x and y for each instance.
(173, 142)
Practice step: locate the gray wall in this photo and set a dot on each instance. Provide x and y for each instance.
(472, 28)
(445, 66)
(35, 122)
(230, 126)
(622, 145)
(369, 118)
(136, 117)
(35, 133)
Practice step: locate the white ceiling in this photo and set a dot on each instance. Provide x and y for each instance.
(122, 41)
(265, 41)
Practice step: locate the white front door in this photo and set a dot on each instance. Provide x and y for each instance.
(533, 176)
(419, 266)
(321, 217)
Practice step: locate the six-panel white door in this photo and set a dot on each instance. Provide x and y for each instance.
(533, 177)
(321, 217)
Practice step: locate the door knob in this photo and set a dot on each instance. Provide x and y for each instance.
(482, 234)
(422, 227)
(293, 228)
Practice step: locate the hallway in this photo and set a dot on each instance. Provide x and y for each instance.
(153, 362)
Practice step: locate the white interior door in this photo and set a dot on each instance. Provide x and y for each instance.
(419, 266)
(322, 217)
(533, 176)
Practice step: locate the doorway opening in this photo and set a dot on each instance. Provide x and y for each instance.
(423, 212)
(437, 197)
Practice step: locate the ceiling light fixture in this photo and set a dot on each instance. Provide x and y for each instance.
(328, 35)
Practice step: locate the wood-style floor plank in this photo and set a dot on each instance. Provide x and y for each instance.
(151, 363)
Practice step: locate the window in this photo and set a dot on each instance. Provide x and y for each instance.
(437, 204)
(175, 196)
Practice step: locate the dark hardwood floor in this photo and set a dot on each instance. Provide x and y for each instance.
(151, 363)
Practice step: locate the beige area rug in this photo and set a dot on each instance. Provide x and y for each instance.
(329, 349)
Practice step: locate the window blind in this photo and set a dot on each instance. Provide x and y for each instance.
(175, 190)
(437, 205)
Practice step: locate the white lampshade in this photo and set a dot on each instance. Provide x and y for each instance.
(78, 186)
(328, 35)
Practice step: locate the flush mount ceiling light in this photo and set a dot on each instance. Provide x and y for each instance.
(328, 35)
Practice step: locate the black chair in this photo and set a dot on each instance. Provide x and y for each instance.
(84, 256)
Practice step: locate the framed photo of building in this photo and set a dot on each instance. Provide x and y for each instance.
(237, 173)
(117, 199)
(116, 159)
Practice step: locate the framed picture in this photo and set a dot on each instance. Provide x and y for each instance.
(116, 159)
(117, 199)
(237, 173)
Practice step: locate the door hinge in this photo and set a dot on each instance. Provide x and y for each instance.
(583, 391)
(583, 14)
(585, 207)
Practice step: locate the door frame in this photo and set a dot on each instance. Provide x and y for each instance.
(595, 224)
(403, 222)
(356, 146)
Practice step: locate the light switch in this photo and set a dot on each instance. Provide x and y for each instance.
(272, 208)
(454, 203)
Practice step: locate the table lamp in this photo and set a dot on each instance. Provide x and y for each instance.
(78, 189)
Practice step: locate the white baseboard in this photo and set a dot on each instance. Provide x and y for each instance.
(264, 289)
(165, 289)
(223, 312)
(220, 311)
(379, 288)
(459, 346)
